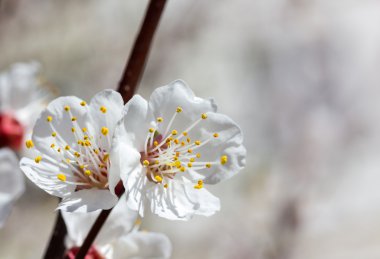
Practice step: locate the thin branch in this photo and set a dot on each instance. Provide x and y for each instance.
(135, 67)
(56, 247)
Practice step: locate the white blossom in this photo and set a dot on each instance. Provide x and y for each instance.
(118, 238)
(71, 143)
(11, 182)
(166, 150)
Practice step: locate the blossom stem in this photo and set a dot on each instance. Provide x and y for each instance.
(56, 247)
(136, 63)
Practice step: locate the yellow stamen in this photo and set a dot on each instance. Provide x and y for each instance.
(84, 129)
(73, 118)
(83, 103)
(192, 159)
(38, 159)
(145, 162)
(198, 155)
(184, 133)
(72, 130)
(158, 178)
(76, 154)
(49, 118)
(165, 185)
(155, 143)
(189, 165)
(174, 132)
(188, 140)
(160, 119)
(67, 108)
(105, 131)
(199, 185)
(54, 134)
(29, 143)
(151, 130)
(197, 142)
(179, 109)
(190, 151)
(176, 141)
(223, 160)
(103, 109)
(216, 135)
(87, 172)
(52, 145)
(67, 147)
(182, 169)
(61, 177)
(208, 165)
(204, 116)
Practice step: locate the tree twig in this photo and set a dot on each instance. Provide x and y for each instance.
(56, 247)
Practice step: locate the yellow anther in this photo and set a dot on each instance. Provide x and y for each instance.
(188, 140)
(183, 143)
(38, 159)
(106, 157)
(223, 160)
(174, 132)
(165, 185)
(52, 145)
(199, 185)
(182, 169)
(197, 142)
(67, 108)
(198, 155)
(72, 130)
(103, 109)
(145, 162)
(177, 164)
(83, 103)
(156, 162)
(49, 118)
(155, 143)
(200, 182)
(84, 129)
(151, 130)
(176, 141)
(184, 133)
(102, 166)
(192, 159)
(81, 166)
(87, 143)
(67, 147)
(29, 143)
(61, 177)
(54, 134)
(105, 131)
(179, 109)
(216, 135)
(204, 116)
(177, 154)
(160, 119)
(76, 154)
(73, 118)
(208, 165)
(189, 165)
(175, 158)
(59, 150)
(87, 172)
(96, 151)
(158, 178)
(85, 137)
(68, 160)
(190, 151)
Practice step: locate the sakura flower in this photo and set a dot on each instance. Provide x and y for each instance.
(22, 98)
(119, 237)
(11, 182)
(168, 149)
(71, 142)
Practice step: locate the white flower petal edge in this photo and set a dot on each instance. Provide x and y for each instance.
(11, 182)
(119, 237)
(174, 145)
(71, 142)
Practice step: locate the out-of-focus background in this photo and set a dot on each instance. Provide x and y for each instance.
(301, 77)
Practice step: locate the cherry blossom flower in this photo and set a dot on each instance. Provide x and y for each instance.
(119, 237)
(71, 143)
(23, 95)
(168, 149)
(11, 182)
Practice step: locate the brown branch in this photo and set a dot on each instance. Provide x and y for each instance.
(135, 66)
(56, 247)
(127, 87)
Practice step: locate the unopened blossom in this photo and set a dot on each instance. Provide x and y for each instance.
(71, 144)
(11, 182)
(119, 238)
(169, 149)
(23, 95)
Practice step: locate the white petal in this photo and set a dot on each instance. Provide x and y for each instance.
(143, 245)
(228, 143)
(88, 200)
(44, 175)
(120, 222)
(165, 100)
(11, 184)
(180, 201)
(136, 122)
(61, 124)
(113, 102)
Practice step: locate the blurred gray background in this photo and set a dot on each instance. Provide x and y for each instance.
(302, 79)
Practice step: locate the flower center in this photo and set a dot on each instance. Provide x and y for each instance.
(11, 132)
(88, 161)
(91, 254)
(169, 153)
